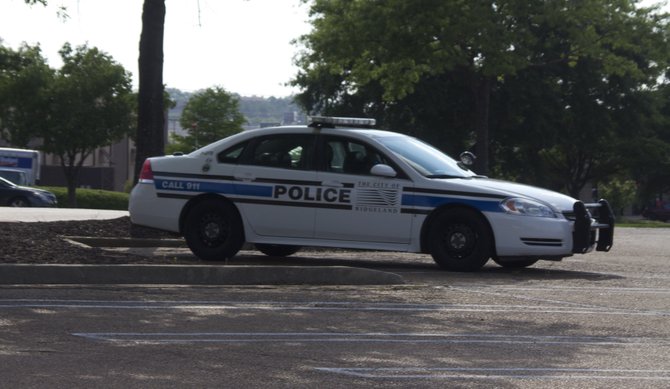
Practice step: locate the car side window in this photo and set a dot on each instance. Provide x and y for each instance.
(342, 155)
(288, 151)
(232, 154)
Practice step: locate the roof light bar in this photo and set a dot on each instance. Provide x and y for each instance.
(330, 121)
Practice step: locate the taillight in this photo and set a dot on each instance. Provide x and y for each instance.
(146, 175)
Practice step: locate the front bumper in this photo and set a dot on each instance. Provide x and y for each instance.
(594, 225)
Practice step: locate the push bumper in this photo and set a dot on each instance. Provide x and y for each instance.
(594, 225)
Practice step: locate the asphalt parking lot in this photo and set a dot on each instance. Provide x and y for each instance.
(600, 320)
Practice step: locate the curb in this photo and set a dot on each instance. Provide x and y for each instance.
(30, 274)
(125, 242)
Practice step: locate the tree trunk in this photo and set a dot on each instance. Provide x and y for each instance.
(71, 172)
(150, 140)
(482, 92)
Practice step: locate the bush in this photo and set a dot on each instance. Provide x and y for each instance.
(91, 198)
(620, 194)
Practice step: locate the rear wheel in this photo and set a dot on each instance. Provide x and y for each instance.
(515, 263)
(213, 230)
(277, 250)
(460, 240)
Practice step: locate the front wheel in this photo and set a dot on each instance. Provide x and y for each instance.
(277, 250)
(460, 240)
(213, 230)
(18, 202)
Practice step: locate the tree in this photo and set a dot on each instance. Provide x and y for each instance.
(91, 105)
(396, 45)
(619, 193)
(208, 116)
(62, 10)
(24, 78)
(648, 153)
(565, 124)
(150, 137)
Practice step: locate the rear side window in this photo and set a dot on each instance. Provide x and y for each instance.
(287, 151)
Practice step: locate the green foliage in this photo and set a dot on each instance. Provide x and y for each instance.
(91, 198)
(85, 105)
(24, 81)
(619, 193)
(208, 116)
(90, 106)
(555, 87)
(61, 13)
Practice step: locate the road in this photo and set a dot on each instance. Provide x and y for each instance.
(595, 321)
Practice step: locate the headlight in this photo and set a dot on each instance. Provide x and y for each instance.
(526, 207)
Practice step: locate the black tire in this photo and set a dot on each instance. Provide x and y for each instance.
(213, 230)
(460, 240)
(277, 250)
(18, 202)
(517, 263)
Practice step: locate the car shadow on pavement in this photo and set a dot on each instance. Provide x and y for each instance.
(397, 262)
(413, 263)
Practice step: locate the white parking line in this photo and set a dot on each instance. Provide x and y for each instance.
(368, 337)
(501, 373)
(331, 306)
(626, 290)
(506, 292)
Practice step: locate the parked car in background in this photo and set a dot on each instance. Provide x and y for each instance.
(18, 177)
(660, 212)
(12, 195)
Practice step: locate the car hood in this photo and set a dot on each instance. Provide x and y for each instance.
(557, 200)
(34, 190)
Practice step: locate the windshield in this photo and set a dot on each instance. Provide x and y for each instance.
(424, 158)
(6, 183)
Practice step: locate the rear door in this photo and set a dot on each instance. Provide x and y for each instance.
(275, 183)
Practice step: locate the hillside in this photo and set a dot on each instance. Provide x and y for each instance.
(257, 110)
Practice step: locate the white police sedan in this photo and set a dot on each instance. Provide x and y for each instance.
(339, 183)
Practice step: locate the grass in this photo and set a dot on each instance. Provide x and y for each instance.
(91, 198)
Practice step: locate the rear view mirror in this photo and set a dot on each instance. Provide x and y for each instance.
(467, 158)
(383, 170)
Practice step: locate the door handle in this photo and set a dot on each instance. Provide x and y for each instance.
(332, 184)
(244, 176)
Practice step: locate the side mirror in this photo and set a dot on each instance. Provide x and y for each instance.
(467, 158)
(383, 171)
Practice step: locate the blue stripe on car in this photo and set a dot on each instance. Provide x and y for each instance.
(214, 187)
(414, 200)
(409, 200)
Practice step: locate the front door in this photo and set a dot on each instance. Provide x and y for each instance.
(369, 208)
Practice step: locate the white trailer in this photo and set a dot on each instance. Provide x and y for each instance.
(27, 161)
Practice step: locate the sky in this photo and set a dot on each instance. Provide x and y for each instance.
(243, 46)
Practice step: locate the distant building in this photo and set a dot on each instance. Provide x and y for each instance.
(108, 168)
(293, 117)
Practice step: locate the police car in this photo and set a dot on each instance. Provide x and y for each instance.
(339, 183)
